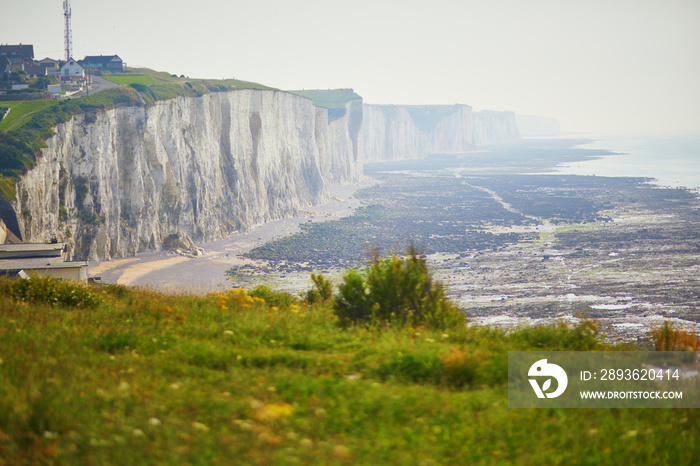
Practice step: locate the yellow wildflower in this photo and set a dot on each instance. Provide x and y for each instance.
(221, 302)
(341, 451)
(200, 427)
(306, 442)
(274, 412)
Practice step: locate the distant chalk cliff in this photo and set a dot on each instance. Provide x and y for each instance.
(116, 182)
(408, 131)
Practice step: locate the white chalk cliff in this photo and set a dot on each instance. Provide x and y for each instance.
(112, 183)
(404, 131)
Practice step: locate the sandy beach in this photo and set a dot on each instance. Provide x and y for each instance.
(170, 272)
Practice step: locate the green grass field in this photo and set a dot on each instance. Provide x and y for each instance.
(110, 375)
(21, 112)
(131, 78)
(332, 98)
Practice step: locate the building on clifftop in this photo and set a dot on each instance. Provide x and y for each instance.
(18, 56)
(102, 62)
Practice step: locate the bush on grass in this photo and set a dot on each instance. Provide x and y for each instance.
(668, 338)
(395, 290)
(272, 297)
(584, 336)
(52, 291)
(321, 292)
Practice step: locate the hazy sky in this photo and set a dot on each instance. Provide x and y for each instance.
(592, 64)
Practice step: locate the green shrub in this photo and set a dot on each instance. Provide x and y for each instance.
(113, 341)
(118, 291)
(584, 336)
(668, 338)
(51, 291)
(457, 369)
(415, 368)
(396, 290)
(272, 297)
(322, 291)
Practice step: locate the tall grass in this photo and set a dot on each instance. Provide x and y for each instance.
(229, 378)
(668, 338)
(21, 111)
(128, 79)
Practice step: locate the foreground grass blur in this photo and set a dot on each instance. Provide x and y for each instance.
(111, 375)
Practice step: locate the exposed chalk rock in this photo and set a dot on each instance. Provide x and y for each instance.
(117, 182)
(407, 131)
(113, 183)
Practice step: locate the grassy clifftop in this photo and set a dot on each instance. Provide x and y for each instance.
(332, 99)
(24, 130)
(111, 375)
(29, 124)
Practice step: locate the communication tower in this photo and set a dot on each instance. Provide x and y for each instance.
(69, 33)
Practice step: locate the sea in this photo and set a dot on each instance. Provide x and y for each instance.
(672, 161)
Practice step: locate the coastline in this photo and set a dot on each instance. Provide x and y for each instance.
(670, 161)
(615, 249)
(169, 272)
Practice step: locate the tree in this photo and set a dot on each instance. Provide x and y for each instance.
(42, 83)
(397, 290)
(18, 76)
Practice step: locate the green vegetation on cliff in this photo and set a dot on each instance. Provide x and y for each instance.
(111, 375)
(24, 131)
(332, 99)
(427, 116)
(21, 112)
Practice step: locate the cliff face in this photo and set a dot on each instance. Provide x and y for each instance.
(118, 182)
(396, 132)
(114, 183)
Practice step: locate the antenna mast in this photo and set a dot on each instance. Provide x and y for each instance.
(69, 33)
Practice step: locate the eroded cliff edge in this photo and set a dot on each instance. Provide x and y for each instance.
(117, 182)
(113, 183)
(410, 131)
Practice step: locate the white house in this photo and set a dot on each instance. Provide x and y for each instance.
(72, 72)
(54, 90)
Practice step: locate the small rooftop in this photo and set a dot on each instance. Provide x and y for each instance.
(22, 50)
(39, 263)
(42, 259)
(9, 251)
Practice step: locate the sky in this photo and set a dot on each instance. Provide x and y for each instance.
(595, 65)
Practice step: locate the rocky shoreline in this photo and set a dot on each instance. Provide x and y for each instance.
(206, 271)
(513, 249)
